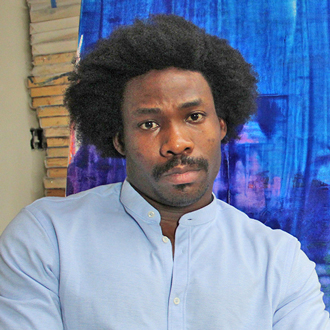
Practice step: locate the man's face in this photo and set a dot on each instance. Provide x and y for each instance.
(172, 137)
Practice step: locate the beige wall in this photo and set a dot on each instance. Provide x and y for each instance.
(21, 169)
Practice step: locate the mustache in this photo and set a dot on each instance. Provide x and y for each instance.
(198, 163)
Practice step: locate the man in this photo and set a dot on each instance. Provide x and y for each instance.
(158, 251)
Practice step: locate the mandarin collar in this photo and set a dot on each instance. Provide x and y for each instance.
(139, 208)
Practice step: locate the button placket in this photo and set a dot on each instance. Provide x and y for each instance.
(176, 300)
(179, 279)
(151, 214)
(165, 239)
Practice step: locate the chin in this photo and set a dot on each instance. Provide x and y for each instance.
(181, 196)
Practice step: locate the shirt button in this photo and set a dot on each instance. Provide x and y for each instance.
(176, 301)
(151, 214)
(165, 239)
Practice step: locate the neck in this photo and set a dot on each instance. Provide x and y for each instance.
(173, 214)
(170, 215)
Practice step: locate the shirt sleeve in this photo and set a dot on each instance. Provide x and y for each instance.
(29, 276)
(301, 306)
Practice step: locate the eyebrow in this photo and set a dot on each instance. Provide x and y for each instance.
(146, 111)
(190, 104)
(185, 105)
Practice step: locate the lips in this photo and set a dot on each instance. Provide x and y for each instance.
(177, 166)
(182, 175)
(180, 170)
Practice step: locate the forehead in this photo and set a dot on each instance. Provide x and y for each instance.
(163, 87)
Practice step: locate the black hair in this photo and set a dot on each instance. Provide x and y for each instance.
(95, 94)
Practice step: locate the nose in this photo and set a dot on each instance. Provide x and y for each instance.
(176, 142)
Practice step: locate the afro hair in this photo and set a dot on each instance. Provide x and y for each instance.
(95, 94)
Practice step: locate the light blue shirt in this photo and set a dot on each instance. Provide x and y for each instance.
(98, 260)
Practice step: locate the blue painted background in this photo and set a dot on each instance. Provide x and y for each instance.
(279, 172)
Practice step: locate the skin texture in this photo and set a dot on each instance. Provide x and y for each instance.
(171, 141)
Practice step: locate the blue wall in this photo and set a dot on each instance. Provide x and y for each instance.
(279, 172)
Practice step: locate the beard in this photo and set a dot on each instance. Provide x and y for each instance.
(184, 196)
(197, 163)
(181, 199)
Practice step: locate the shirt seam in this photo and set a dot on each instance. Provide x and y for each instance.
(289, 265)
(55, 248)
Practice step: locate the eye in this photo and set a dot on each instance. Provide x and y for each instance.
(148, 125)
(195, 117)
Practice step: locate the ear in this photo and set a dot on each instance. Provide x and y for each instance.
(223, 128)
(118, 143)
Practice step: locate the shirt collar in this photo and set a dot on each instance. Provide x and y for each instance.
(139, 208)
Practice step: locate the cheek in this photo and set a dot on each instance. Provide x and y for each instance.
(133, 148)
(208, 142)
(138, 157)
(214, 139)
(213, 149)
(137, 152)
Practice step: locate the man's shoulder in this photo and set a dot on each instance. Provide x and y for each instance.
(232, 219)
(94, 195)
(57, 216)
(77, 208)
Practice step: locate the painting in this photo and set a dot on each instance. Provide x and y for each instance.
(279, 170)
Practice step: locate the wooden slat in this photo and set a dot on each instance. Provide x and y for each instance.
(54, 58)
(52, 111)
(51, 69)
(55, 192)
(56, 132)
(58, 141)
(40, 5)
(48, 100)
(33, 82)
(57, 152)
(48, 90)
(52, 183)
(58, 24)
(50, 14)
(57, 172)
(56, 162)
(54, 121)
(30, 2)
(55, 47)
(52, 36)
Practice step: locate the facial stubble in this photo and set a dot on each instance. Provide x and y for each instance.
(184, 198)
